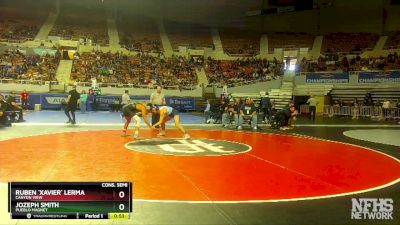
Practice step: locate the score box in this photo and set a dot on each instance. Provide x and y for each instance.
(69, 200)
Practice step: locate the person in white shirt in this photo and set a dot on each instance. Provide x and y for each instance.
(157, 98)
(207, 112)
(386, 106)
(126, 99)
(312, 104)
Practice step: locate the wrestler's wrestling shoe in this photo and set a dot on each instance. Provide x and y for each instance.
(137, 137)
(161, 134)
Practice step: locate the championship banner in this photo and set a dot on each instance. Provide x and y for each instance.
(327, 78)
(379, 77)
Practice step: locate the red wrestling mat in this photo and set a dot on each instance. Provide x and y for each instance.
(278, 167)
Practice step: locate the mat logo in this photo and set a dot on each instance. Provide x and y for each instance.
(372, 208)
(193, 147)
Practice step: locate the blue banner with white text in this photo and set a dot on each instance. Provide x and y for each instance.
(327, 78)
(54, 101)
(379, 76)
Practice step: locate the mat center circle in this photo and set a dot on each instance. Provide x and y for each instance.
(192, 147)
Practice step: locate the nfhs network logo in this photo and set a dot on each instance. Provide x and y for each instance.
(372, 208)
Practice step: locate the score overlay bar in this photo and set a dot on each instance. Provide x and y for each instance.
(70, 200)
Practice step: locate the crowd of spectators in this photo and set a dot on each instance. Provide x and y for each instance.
(88, 28)
(142, 69)
(333, 62)
(240, 42)
(18, 26)
(393, 40)
(18, 66)
(349, 42)
(139, 34)
(189, 35)
(290, 40)
(237, 71)
(141, 45)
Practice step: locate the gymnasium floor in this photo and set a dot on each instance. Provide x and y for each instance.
(307, 175)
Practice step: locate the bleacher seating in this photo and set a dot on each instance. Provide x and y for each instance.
(393, 41)
(381, 94)
(19, 25)
(239, 71)
(315, 89)
(139, 34)
(327, 63)
(17, 66)
(349, 42)
(87, 26)
(138, 70)
(190, 35)
(290, 41)
(349, 94)
(240, 41)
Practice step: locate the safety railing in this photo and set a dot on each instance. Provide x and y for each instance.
(144, 86)
(373, 112)
(35, 82)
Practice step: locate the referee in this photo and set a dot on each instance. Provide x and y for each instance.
(157, 98)
(312, 104)
(73, 101)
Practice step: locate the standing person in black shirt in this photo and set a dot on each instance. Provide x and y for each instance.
(236, 112)
(266, 107)
(72, 103)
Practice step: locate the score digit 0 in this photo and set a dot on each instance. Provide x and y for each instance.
(121, 194)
